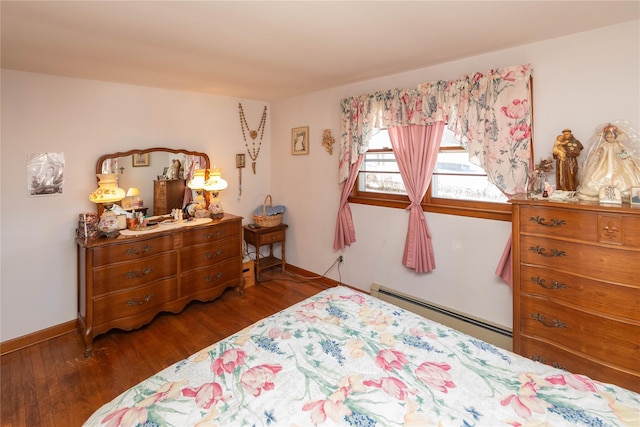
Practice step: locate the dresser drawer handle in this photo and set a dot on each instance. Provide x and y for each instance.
(210, 278)
(213, 235)
(133, 274)
(135, 301)
(209, 255)
(552, 223)
(552, 253)
(136, 251)
(554, 284)
(541, 359)
(553, 324)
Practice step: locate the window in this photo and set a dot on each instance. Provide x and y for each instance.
(458, 187)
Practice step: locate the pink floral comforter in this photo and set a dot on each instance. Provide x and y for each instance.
(345, 358)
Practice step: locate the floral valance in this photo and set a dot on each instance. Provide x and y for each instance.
(490, 113)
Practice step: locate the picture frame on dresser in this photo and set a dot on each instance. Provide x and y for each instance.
(635, 196)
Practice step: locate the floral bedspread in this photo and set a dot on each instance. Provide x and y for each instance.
(345, 358)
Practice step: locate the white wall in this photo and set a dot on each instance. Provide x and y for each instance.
(86, 119)
(580, 82)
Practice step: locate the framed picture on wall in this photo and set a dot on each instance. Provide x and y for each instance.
(635, 196)
(300, 140)
(140, 159)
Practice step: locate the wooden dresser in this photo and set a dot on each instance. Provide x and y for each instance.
(576, 287)
(167, 194)
(125, 282)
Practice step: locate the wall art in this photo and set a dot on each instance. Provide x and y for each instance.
(45, 174)
(300, 140)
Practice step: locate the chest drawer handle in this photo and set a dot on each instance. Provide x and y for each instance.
(133, 274)
(554, 284)
(541, 359)
(213, 235)
(209, 255)
(555, 323)
(552, 252)
(135, 301)
(210, 278)
(553, 222)
(136, 251)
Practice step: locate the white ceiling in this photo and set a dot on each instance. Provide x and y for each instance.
(275, 49)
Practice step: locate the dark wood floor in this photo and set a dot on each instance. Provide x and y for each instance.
(53, 384)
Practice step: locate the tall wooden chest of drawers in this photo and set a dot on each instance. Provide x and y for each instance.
(576, 287)
(125, 282)
(167, 194)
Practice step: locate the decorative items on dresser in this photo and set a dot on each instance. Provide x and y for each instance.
(577, 287)
(125, 282)
(168, 194)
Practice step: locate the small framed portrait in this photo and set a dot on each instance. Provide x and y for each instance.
(240, 160)
(300, 140)
(140, 159)
(635, 196)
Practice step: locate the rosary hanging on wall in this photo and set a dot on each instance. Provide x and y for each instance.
(253, 150)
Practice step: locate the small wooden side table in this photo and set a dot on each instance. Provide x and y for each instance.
(266, 236)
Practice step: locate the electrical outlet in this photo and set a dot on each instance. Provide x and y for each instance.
(340, 259)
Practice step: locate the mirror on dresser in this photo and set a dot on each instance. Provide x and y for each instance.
(148, 170)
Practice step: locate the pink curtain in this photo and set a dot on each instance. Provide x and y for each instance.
(345, 233)
(416, 150)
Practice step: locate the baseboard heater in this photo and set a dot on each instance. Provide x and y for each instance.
(470, 325)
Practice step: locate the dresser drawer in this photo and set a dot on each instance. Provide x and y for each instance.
(593, 335)
(110, 254)
(577, 363)
(268, 238)
(623, 301)
(210, 234)
(607, 263)
(631, 231)
(559, 223)
(134, 301)
(203, 280)
(127, 275)
(209, 254)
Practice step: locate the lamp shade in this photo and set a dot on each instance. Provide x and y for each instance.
(215, 182)
(197, 182)
(108, 190)
(133, 191)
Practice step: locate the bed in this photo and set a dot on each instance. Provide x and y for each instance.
(344, 358)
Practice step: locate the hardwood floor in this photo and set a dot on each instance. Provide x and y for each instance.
(53, 384)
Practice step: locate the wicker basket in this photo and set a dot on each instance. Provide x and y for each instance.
(265, 220)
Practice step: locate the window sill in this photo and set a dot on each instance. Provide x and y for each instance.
(503, 213)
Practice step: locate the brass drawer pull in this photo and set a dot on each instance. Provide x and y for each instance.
(552, 253)
(541, 359)
(136, 251)
(133, 274)
(209, 255)
(554, 284)
(133, 302)
(553, 324)
(552, 223)
(210, 278)
(215, 235)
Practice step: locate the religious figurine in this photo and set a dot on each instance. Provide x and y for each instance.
(566, 150)
(613, 162)
(175, 170)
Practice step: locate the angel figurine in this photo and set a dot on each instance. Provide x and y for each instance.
(613, 161)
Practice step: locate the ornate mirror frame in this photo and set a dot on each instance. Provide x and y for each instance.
(101, 159)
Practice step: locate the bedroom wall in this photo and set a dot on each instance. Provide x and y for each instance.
(85, 119)
(580, 81)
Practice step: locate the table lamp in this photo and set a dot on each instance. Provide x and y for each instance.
(197, 184)
(214, 185)
(107, 194)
